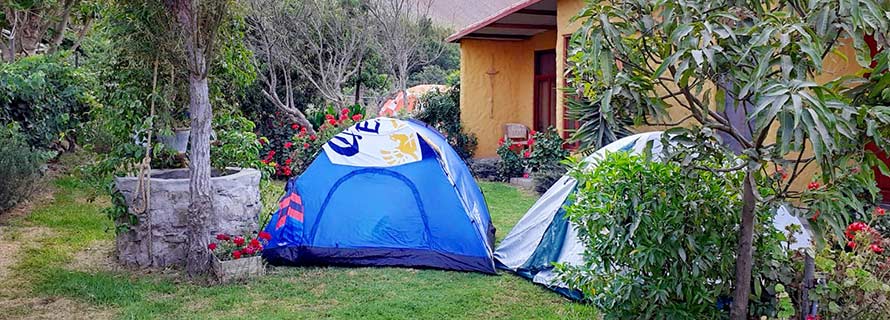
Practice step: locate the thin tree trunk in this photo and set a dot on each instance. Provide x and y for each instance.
(745, 259)
(199, 174)
(61, 27)
(358, 81)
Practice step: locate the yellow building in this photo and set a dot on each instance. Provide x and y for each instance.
(512, 66)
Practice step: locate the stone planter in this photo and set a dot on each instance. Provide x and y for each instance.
(159, 239)
(178, 142)
(243, 268)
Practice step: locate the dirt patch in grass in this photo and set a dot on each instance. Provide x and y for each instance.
(97, 257)
(44, 193)
(8, 252)
(52, 308)
(13, 241)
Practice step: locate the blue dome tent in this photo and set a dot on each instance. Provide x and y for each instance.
(384, 192)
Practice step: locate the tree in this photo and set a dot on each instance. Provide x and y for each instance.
(713, 59)
(196, 24)
(402, 28)
(33, 26)
(323, 47)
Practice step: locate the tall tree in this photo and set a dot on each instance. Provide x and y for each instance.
(196, 25)
(744, 73)
(402, 28)
(325, 47)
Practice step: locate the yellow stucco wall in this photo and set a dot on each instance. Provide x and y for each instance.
(512, 94)
(485, 111)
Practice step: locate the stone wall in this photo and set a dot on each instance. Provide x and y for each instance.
(236, 208)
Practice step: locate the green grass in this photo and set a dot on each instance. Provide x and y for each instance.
(68, 224)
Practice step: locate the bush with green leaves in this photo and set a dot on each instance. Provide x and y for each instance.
(236, 144)
(441, 110)
(47, 96)
(660, 241)
(545, 159)
(742, 72)
(512, 164)
(20, 166)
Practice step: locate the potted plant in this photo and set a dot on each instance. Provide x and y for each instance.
(238, 257)
(177, 138)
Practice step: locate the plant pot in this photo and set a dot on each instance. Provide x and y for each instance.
(178, 141)
(238, 269)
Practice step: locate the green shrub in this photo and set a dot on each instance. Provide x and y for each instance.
(660, 241)
(236, 144)
(441, 110)
(47, 97)
(511, 164)
(20, 166)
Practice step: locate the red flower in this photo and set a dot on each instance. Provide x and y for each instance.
(501, 141)
(236, 255)
(254, 242)
(286, 171)
(239, 241)
(343, 117)
(211, 246)
(815, 215)
(525, 175)
(249, 251)
(271, 153)
(344, 111)
(288, 144)
(532, 133)
(313, 137)
(222, 237)
(329, 117)
(813, 185)
(879, 211)
(811, 317)
(295, 126)
(851, 244)
(332, 121)
(782, 172)
(876, 248)
(265, 236)
(288, 161)
(357, 117)
(305, 145)
(302, 131)
(527, 154)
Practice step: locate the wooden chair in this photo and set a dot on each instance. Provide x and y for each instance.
(516, 133)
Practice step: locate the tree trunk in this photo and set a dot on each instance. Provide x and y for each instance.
(199, 175)
(745, 259)
(358, 80)
(30, 33)
(59, 36)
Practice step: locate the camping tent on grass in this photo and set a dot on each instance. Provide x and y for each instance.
(544, 235)
(384, 192)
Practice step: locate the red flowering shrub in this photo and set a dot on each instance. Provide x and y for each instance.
(312, 143)
(237, 247)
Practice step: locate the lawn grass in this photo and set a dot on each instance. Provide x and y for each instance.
(68, 224)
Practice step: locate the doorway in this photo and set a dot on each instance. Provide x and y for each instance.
(545, 90)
